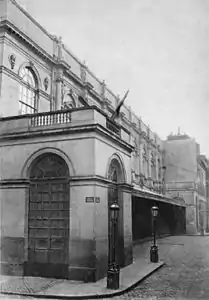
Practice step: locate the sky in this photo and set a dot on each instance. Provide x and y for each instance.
(158, 49)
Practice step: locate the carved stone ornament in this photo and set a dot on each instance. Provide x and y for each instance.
(144, 151)
(46, 83)
(83, 72)
(12, 59)
(103, 85)
(153, 163)
(135, 151)
(141, 180)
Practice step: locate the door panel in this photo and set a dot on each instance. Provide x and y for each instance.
(48, 228)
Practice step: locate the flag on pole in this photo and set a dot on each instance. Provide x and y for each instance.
(117, 111)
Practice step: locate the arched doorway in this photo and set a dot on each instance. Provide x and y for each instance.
(115, 175)
(48, 218)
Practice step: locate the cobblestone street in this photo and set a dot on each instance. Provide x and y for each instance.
(185, 275)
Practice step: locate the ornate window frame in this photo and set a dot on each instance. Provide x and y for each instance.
(28, 88)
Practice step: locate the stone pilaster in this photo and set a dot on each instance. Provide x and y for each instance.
(59, 82)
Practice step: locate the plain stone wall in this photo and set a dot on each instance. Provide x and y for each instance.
(180, 160)
(101, 229)
(12, 229)
(82, 236)
(127, 227)
(15, 156)
(191, 225)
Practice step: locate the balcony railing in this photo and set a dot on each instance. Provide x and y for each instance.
(51, 118)
(55, 120)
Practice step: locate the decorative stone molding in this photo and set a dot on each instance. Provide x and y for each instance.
(89, 86)
(103, 86)
(133, 177)
(12, 60)
(141, 180)
(144, 135)
(153, 159)
(150, 182)
(83, 71)
(59, 78)
(31, 64)
(135, 151)
(46, 83)
(122, 115)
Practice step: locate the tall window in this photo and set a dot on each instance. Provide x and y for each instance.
(28, 92)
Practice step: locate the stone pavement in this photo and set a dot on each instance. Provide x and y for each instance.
(185, 274)
(63, 289)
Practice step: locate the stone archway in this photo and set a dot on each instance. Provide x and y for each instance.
(116, 176)
(48, 218)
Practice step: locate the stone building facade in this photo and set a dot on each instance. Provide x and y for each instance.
(186, 177)
(64, 162)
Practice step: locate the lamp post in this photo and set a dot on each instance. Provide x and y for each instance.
(154, 248)
(113, 273)
(163, 183)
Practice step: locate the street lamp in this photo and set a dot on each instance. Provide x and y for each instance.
(113, 273)
(154, 249)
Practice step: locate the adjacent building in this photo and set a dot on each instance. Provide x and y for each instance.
(186, 176)
(64, 162)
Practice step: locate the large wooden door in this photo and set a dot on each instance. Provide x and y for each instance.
(48, 227)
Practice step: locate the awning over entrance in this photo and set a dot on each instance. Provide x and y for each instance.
(141, 193)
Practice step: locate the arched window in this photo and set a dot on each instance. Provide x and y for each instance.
(28, 91)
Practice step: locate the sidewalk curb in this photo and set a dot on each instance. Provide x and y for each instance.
(94, 296)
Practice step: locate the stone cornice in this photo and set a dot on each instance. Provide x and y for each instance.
(24, 182)
(9, 41)
(101, 179)
(14, 183)
(10, 73)
(31, 18)
(13, 29)
(67, 71)
(95, 96)
(55, 130)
